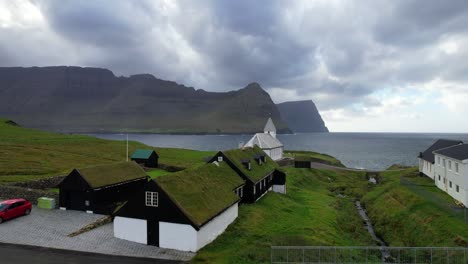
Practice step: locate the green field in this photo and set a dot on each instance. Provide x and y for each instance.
(318, 208)
(311, 213)
(416, 213)
(324, 157)
(27, 154)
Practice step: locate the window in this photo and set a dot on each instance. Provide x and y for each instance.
(86, 203)
(220, 158)
(443, 163)
(152, 199)
(458, 188)
(450, 184)
(438, 160)
(444, 180)
(456, 167)
(450, 164)
(439, 177)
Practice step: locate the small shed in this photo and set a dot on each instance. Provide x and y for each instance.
(146, 157)
(302, 162)
(101, 188)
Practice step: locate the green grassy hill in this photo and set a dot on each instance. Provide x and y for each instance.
(27, 154)
(408, 210)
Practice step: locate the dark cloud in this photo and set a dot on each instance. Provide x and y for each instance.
(345, 50)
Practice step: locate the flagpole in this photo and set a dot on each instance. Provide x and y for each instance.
(127, 146)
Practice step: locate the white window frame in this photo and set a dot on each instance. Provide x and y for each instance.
(456, 167)
(152, 199)
(220, 158)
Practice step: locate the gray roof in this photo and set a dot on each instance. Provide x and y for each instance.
(264, 141)
(458, 152)
(270, 126)
(439, 144)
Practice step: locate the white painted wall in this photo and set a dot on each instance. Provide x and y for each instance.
(186, 238)
(274, 154)
(459, 178)
(131, 229)
(427, 168)
(177, 236)
(279, 188)
(217, 226)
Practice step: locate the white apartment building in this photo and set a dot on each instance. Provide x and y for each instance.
(451, 171)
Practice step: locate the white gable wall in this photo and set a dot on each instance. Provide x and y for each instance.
(131, 229)
(186, 238)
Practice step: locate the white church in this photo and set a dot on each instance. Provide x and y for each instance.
(267, 141)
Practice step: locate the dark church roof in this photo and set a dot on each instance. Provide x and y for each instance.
(110, 174)
(202, 192)
(459, 152)
(439, 144)
(142, 153)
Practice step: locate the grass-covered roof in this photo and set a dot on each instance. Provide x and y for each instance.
(257, 171)
(110, 174)
(202, 192)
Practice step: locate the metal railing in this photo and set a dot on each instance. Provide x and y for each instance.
(407, 255)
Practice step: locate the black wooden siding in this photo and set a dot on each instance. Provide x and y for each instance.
(75, 191)
(151, 162)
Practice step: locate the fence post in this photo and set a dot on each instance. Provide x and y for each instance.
(431, 255)
(303, 255)
(367, 253)
(335, 256)
(415, 261)
(399, 253)
(287, 255)
(448, 256)
(320, 261)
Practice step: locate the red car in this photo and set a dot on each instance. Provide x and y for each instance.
(13, 208)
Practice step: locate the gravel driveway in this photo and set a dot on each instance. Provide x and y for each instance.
(49, 228)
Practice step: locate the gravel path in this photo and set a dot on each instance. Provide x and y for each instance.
(49, 228)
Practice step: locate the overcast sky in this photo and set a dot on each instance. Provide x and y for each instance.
(368, 65)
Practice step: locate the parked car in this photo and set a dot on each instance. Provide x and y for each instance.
(13, 208)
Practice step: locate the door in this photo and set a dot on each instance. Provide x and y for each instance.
(76, 200)
(15, 210)
(153, 232)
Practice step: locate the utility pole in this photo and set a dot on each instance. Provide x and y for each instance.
(127, 146)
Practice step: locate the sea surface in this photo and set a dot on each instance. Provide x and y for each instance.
(355, 150)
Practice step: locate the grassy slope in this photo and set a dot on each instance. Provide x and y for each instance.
(30, 154)
(416, 215)
(310, 214)
(154, 173)
(324, 157)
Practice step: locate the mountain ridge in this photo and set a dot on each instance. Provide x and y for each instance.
(302, 116)
(87, 99)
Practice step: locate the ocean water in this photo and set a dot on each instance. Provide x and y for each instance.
(356, 150)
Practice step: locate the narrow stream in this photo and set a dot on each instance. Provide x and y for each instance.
(370, 229)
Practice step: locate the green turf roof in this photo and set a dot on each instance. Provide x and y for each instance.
(142, 153)
(302, 158)
(202, 192)
(256, 172)
(110, 174)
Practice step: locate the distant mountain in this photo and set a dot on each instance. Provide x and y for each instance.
(302, 116)
(75, 99)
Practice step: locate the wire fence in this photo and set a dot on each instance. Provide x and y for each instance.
(407, 255)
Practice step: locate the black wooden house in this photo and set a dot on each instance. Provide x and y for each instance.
(99, 189)
(146, 157)
(197, 204)
(259, 171)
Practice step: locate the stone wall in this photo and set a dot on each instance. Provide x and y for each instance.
(43, 184)
(11, 192)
